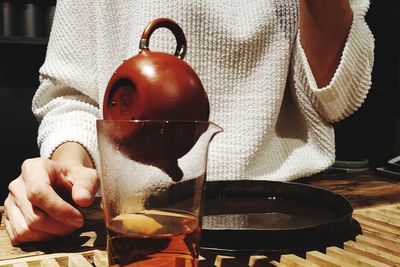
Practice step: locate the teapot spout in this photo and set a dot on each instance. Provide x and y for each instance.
(196, 142)
(215, 129)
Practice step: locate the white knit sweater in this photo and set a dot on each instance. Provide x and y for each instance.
(249, 58)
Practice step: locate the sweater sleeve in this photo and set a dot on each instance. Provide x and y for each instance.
(350, 84)
(65, 102)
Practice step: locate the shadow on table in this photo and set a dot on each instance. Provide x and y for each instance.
(91, 236)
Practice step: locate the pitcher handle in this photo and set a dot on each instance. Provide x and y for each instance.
(173, 27)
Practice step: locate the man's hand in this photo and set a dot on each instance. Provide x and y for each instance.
(40, 203)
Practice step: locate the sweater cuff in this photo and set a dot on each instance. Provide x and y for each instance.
(352, 80)
(77, 126)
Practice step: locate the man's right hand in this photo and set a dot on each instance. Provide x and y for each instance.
(40, 203)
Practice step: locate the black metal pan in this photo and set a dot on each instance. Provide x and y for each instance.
(272, 217)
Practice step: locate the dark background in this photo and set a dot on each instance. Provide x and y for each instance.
(373, 132)
(23, 43)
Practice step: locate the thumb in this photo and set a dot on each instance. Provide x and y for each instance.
(84, 185)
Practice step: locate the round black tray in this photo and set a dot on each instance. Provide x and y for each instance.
(273, 217)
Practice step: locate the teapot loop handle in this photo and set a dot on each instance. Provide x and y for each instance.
(180, 51)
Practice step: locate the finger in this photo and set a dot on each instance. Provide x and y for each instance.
(85, 186)
(9, 230)
(39, 176)
(19, 230)
(35, 218)
(10, 233)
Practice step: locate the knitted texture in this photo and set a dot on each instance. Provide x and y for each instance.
(251, 63)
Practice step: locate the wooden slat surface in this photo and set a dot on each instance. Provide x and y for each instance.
(49, 263)
(258, 261)
(348, 257)
(100, 259)
(295, 261)
(226, 261)
(322, 259)
(78, 261)
(378, 245)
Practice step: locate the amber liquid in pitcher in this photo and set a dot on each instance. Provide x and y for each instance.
(153, 238)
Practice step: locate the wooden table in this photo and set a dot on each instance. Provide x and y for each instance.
(376, 203)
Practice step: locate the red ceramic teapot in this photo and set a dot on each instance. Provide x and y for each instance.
(157, 86)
